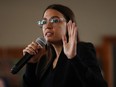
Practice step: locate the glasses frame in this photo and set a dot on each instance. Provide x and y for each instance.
(50, 21)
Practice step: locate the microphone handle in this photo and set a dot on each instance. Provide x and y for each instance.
(21, 63)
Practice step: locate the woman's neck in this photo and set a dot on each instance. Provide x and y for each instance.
(58, 49)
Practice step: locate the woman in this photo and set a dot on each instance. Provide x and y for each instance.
(65, 61)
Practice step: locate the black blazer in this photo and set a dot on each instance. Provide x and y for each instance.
(83, 69)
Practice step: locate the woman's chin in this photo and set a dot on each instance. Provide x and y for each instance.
(48, 39)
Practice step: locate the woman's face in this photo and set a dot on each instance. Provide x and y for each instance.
(54, 26)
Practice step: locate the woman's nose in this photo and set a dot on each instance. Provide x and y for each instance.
(48, 25)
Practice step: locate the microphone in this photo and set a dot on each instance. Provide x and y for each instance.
(26, 57)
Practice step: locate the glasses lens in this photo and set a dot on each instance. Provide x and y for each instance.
(52, 20)
(55, 20)
(42, 22)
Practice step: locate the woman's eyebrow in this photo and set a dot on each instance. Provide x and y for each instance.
(54, 17)
(51, 17)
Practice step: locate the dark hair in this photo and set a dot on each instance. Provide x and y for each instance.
(67, 13)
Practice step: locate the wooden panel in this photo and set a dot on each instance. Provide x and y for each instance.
(11, 52)
(8, 57)
(105, 51)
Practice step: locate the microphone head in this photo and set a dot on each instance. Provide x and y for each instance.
(41, 41)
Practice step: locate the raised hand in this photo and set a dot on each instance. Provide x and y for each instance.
(71, 45)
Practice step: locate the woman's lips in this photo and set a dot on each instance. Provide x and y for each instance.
(48, 34)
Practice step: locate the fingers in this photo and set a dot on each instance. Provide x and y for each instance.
(72, 30)
(64, 39)
(32, 48)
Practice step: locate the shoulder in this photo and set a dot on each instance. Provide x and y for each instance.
(85, 45)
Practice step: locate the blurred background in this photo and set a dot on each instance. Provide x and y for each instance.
(96, 20)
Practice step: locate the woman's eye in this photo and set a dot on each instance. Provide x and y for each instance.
(55, 20)
(43, 22)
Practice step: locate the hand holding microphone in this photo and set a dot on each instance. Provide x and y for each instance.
(34, 49)
(32, 54)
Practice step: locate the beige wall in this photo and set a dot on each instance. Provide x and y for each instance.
(18, 27)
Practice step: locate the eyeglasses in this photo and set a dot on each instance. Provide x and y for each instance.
(53, 20)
